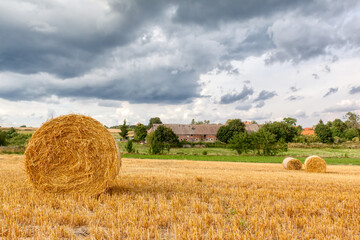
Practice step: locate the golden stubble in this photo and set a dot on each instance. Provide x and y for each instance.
(169, 199)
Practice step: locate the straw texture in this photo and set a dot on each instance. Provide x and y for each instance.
(72, 153)
(315, 164)
(292, 164)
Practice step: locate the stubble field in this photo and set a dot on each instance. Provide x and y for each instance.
(170, 199)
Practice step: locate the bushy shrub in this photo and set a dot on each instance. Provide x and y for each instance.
(129, 146)
(156, 146)
(299, 139)
(241, 142)
(216, 144)
(281, 130)
(3, 141)
(265, 143)
(351, 133)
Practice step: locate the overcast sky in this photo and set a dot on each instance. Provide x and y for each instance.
(211, 60)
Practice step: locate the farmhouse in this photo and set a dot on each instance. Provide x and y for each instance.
(200, 132)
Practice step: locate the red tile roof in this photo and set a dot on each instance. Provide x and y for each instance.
(308, 132)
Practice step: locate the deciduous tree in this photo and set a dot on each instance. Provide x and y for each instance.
(324, 132)
(152, 121)
(140, 131)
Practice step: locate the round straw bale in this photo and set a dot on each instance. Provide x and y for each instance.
(315, 164)
(292, 163)
(72, 153)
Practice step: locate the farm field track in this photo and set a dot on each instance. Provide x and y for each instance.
(162, 199)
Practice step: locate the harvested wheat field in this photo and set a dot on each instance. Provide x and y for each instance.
(168, 199)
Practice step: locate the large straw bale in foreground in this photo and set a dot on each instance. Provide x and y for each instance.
(315, 164)
(72, 153)
(292, 163)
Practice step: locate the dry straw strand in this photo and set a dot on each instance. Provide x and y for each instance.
(292, 164)
(72, 153)
(315, 164)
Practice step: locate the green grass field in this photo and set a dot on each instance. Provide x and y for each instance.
(331, 155)
(254, 159)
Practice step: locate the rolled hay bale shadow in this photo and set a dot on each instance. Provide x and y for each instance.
(72, 153)
(315, 164)
(292, 164)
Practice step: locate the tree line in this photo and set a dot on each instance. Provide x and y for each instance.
(13, 138)
(272, 137)
(338, 131)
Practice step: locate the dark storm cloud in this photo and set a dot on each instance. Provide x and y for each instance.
(331, 91)
(311, 33)
(265, 95)
(256, 44)
(177, 40)
(233, 97)
(355, 90)
(212, 12)
(67, 45)
(162, 87)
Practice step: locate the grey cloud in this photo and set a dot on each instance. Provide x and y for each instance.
(294, 98)
(158, 86)
(355, 90)
(260, 104)
(243, 107)
(230, 98)
(228, 68)
(109, 103)
(348, 107)
(294, 89)
(331, 91)
(260, 116)
(72, 41)
(210, 13)
(255, 44)
(300, 114)
(315, 114)
(265, 95)
(327, 68)
(79, 40)
(334, 58)
(315, 76)
(302, 39)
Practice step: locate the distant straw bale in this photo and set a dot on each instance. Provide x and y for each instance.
(292, 164)
(72, 153)
(315, 164)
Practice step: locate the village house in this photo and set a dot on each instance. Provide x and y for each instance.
(308, 132)
(200, 132)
